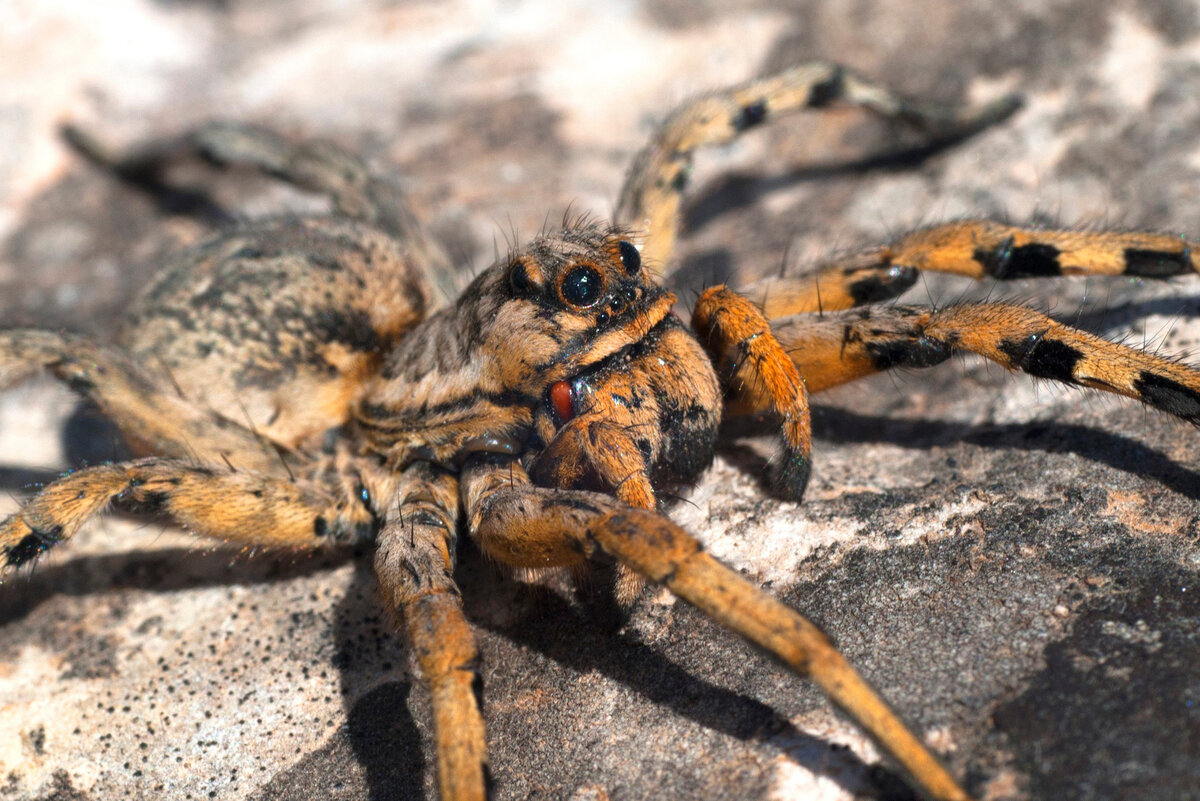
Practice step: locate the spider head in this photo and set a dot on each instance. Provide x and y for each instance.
(570, 300)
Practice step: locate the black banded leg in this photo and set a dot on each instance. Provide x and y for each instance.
(978, 249)
(528, 526)
(842, 284)
(984, 249)
(415, 563)
(651, 195)
(834, 349)
(235, 506)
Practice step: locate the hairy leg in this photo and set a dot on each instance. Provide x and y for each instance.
(415, 563)
(533, 527)
(835, 349)
(977, 249)
(650, 198)
(760, 375)
(221, 503)
(842, 284)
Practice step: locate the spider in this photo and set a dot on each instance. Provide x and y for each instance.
(300, 385)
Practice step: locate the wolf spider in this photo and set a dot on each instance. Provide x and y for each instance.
(300, 385)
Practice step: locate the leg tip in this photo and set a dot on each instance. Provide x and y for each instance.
(608, 592)
(790, 475)
(30, 546)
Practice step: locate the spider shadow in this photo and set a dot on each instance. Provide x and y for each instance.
(87, 438)
(1114, 450)
(555, 625)
(736, 190)
(1121, 316)
(843, 426)
(165, 570)
(381, 732)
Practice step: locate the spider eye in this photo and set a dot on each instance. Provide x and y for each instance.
(631, 260)
(582, 286)
(518, 279)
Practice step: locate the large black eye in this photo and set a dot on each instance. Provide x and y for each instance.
(582, 286)
(631, 260)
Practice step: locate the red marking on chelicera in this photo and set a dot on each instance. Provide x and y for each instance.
(560, 399)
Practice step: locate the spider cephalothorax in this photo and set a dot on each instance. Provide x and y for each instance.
(471, 376)
(298, 385)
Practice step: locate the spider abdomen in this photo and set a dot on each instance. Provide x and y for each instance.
(279, 325)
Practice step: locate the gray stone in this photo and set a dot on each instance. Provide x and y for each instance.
(1015, 565)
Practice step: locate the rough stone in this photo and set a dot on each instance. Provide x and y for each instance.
(1015, 565)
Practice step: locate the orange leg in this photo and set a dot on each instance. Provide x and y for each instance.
(532, 527)
(414, 562)
(842, 284)
(651, 196)
(982, 249)
(977, 249)
(835, 349)
(753, 363)
(236, 506)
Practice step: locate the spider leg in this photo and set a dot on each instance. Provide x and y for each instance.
(318, 166)
(236, 506)
(152, 420)
(841, 284)
(593, 451)
(651, 195)
(574, 460)
(834, 349)
(977, 249)
(414, 562)
(533, 527)
(986, 249)
(757, 369)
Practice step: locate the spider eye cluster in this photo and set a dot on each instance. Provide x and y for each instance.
(582, 286)
(518, 279)
(631, 260)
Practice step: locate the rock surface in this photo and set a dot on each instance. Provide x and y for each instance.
(1014, 565)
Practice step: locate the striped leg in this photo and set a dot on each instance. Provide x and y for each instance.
(528, 526)
(977, 249)
(984, 249)
(235, 506)
(415, 563)
(651, 195)
(842, 284)
(835, 349)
